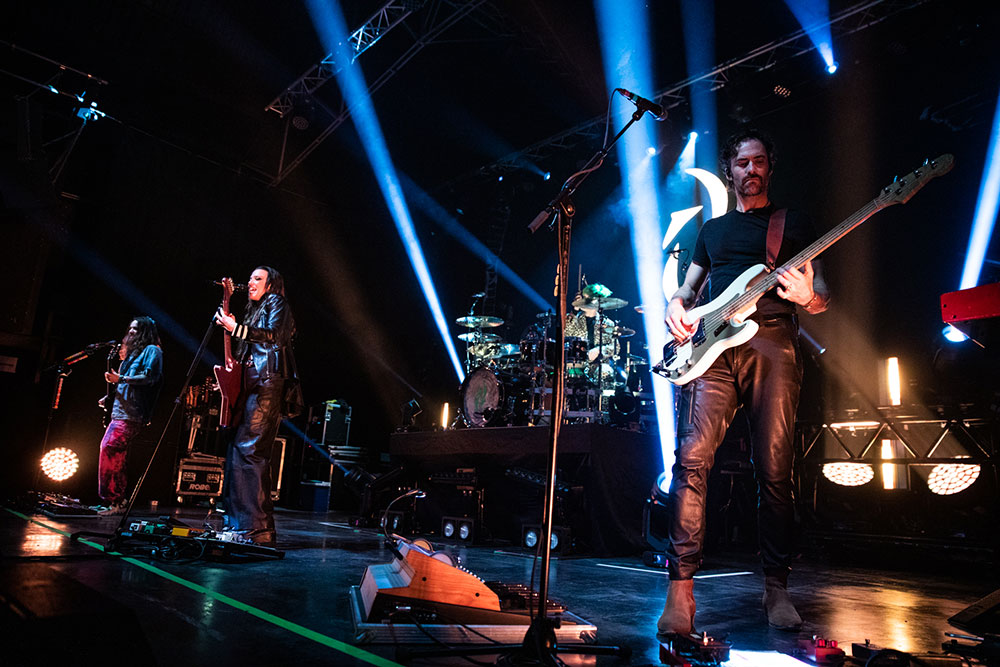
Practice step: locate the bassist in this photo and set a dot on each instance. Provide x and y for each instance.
(763, 375)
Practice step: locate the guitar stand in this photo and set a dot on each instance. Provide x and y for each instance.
(114, 538)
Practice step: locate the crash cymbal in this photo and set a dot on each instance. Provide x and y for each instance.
(479, 337)
(478, 321)
(623, 332)
(609, 303)
(640, 308)
(595, 291)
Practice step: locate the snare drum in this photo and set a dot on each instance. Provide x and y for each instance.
(482, 397)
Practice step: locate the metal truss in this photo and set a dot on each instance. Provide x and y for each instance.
(438, 21)
(381, 22)
(846, 22)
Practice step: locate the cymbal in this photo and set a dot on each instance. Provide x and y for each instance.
(478, 321)
(507, 350)
(623, 332)
(595, 291)
(608, 303)
(479, 337)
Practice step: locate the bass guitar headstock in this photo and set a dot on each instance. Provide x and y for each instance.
(902, 189)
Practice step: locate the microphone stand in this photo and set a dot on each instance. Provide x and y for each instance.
(539, 646)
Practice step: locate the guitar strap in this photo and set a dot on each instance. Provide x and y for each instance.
(775, 232)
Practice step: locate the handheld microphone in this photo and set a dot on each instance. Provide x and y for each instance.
(642, 104)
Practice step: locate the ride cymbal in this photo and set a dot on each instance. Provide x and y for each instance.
(478, 321)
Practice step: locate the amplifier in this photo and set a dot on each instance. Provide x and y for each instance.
(199, 476)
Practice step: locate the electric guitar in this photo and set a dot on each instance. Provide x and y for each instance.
(722, 323)
(108, 402)
(227, 375)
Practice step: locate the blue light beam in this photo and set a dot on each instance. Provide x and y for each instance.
(453, 228)
(814, 17)
(332, 30)
(986, 209)
(623, 28)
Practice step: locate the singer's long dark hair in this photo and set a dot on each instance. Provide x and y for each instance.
(145, 335)
(275, 285)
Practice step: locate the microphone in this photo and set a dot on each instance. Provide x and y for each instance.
(237, 287)
(642, 104)
(98, 346)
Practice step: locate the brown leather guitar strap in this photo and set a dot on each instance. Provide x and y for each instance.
(775, 232)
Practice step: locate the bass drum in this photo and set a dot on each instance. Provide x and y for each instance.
(482, 397)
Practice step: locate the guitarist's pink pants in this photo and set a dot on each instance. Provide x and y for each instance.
(763, 375)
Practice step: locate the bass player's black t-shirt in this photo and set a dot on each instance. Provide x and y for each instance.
(732, 243)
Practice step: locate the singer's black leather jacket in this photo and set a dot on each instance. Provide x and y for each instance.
(266, 339)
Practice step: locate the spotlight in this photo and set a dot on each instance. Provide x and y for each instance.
(693, 136)
(458, 527)
(948, 478)
(530, 538)
(831, 68)
(848, 473)
(547, 175)
(60, 464)
(499, 179)
(782, 91)
(651, 151)
(953, 335)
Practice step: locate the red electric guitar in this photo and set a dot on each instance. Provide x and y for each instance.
(227, 375)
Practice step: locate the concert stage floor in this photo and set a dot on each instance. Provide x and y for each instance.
(295, 611)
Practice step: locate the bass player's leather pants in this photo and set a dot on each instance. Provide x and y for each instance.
(764, 376)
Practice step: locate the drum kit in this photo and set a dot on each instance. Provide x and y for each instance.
(510, 384)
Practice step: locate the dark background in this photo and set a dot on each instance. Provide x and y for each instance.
(168, 194)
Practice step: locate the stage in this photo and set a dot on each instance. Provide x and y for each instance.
(70, 599)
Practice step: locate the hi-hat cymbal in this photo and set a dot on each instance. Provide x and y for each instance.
(478, 321)
(609, 303)
(479, 337)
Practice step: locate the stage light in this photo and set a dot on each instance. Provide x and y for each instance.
(500, 179)
(444, 416)
(953, 335)
(547, 175)
(848, 473)
(693, 136)
(894, 386)
(530, 538)
(464, 531)
(328, 21)
(651, 151)
(888, 469)
(448, 528)
(814, 17)
(60, 464)
(948, 478)
(782, 91)
(831, 68)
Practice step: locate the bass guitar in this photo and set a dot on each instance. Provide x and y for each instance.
(227, 375)
(723, 323)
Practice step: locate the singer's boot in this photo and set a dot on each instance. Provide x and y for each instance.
(778, 606)
(678, 612)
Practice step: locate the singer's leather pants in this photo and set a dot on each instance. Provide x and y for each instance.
(248, 480)
(764, 375)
